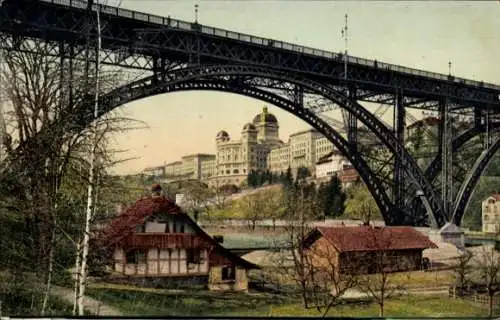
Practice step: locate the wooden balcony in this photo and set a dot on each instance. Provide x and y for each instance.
(164, 241)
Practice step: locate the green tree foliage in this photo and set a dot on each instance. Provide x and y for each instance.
(332, 198)
(361, 205)
(473, 214)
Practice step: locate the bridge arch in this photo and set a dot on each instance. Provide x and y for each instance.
(236, 77)
(470, 182)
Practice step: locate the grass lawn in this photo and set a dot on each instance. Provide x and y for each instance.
(133, 302)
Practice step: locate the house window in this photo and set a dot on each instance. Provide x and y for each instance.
(181, 228)
(193, 256)
(167, 227)
(135, 257)
(228, 273)
(140, 228)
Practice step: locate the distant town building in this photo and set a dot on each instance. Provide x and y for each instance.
(329, 165)
(157, 171)
(356, 249)
(491, 214)
(154, 241)
(259, 148)
(334, 163)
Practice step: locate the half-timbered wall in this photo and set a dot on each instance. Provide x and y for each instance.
(162, 262)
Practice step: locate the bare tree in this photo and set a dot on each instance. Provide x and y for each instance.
(47, 99)
(463, 269)
(488, 271)
(301, 209)
(380, 261)
(331, 277)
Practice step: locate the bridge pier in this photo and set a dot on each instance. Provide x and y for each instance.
(449, 233)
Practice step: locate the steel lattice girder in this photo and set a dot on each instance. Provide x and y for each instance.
(225, 72)
(465, 193)
(147, 39)
(434, 168)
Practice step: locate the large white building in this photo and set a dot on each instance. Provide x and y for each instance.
(236, 158)
(258, 148)
(491, 214)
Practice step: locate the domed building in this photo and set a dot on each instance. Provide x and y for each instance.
(236, 158)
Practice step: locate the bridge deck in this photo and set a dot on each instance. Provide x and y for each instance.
(188, 26)
(148, 37)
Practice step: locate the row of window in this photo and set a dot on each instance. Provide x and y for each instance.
(139, 256)
(176, 228)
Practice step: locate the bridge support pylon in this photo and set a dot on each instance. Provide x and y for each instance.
(449, 233)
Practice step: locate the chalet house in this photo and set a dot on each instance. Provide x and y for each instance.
(366, 249)
(154, 239)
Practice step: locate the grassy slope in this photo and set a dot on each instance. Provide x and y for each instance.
(133, 302)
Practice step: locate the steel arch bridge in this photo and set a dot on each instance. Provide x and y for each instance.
(184, 56)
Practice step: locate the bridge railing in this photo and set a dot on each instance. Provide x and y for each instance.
(189, 26)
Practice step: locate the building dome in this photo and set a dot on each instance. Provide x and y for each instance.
(222, 135)
(249, 127)
(265, 117)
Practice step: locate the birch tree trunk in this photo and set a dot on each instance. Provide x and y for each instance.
(77, 276)
(49, 272)
(90, 193)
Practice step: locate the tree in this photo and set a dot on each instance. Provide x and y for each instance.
(303, 173)
(361, 205)
(332, 198)
(380, 262)
(463, 269)
(274, 204)
(253, 208)
(300, 210)
(197, 197)
(488, 272)
(47, 102)
(328, 281)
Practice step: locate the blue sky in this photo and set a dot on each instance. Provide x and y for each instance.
(419, 34)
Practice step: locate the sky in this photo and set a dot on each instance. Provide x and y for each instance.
(419, 34)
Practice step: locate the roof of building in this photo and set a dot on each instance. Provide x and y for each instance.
(328, 157)
(154, 168)
(125, 224)
(348, 175)
(369, 238)
(199, 155)
(496, 196)
(312, 131)
(264, 117)
(428, 121)
(249, 127)
(175, 163)
(222, 134)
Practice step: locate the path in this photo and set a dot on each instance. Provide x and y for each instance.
(356, 294)
(94, 306)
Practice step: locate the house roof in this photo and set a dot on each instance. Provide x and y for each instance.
(428, 121)
(496, 196)
(125, 224)
(368, 238)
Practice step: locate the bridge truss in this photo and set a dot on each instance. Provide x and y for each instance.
(167, 55)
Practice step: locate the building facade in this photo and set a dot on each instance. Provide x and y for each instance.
(236, 158)
(154, 239)
(303, 149)
(491, 214)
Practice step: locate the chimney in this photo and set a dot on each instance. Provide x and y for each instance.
(156, 191)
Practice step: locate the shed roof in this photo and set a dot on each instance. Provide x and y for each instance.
(368, 238)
